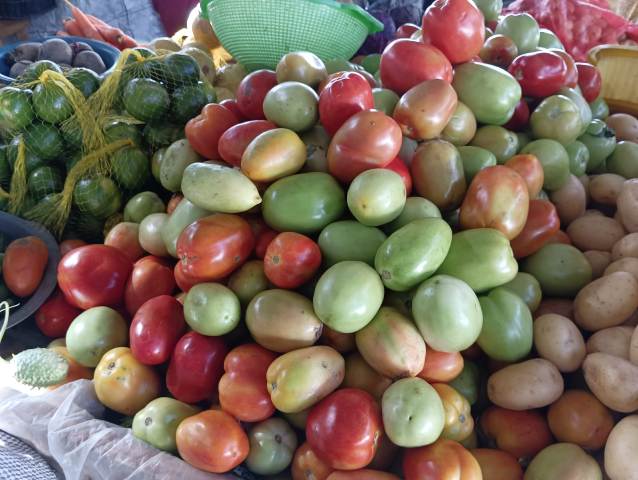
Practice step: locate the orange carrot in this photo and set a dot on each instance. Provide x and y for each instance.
(84, 24)
(71, 26)
(111, 34)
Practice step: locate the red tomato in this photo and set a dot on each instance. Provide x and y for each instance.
(497, 198)
(540, 74)
(406, 30)
(345, 428)
(306, 465)
(520, 118)
(235, 140)
(456, 27)
(173, 202)
(497, 464)
(251, 93)
(572, 72)
(442, 460)
(346, 94)
(93, 276)
(196, 366)
(156, 328)
(559, 237)
(67, 245)
(126, 238)
(151, 277)
(498, 50)
(212, 441)
(55, 315)
(231, 104)
(542, 224)
(242, 389)
(263, 240)
(183, 281)
(521, 433)
(291, 260)
(204, 131)
(405, 63)
(589, 81)
(441, 366)
(397, 165)
(367, 140)
(212, 247)
(530, 168)
(23, 265)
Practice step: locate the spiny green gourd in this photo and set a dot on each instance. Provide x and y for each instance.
(39, 367)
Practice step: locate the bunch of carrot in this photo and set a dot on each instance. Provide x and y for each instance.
(88, 26)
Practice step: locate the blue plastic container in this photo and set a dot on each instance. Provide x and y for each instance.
(13, 228)
(108, 53)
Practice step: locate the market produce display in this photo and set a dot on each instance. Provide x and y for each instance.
(419, 264)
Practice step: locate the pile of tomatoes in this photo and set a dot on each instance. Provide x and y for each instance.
(364, 282)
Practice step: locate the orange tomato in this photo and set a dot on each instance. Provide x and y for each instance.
(23, 265)
(521, 433)
(123, 383)
(530, 169)
(441, 366)
(212, 441)
(442, 460)
(497, 198)
(242, 389)
(497, 464)
(362, 475)
(458, 417)
(306, 465)
(579, 417)
(212, 247)
(76, 370)
(125, 237)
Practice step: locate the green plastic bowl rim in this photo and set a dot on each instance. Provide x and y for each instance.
(373, 25)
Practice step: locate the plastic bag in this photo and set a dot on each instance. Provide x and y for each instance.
(64, 426)
(579, 25)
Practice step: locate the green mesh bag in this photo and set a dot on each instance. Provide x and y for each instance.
(74, 146)
(257, 33)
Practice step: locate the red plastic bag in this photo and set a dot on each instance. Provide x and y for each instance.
(579, 25)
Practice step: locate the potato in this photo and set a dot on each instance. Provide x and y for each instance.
(628, 205)
(624, 125)
(593, 212)
(606, 302)
(605, 188)
(625, 264)
(570, 200)
(598, 261)
(612, 340)
(633, 347)
(627, 246)
(621, 462)
(534, 383)
(632, 321)
(613, 380)
(558, 340)
(560, 306)
(595, 232)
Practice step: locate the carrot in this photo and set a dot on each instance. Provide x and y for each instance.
(71, 26)
(113, 35)
(84, 24)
